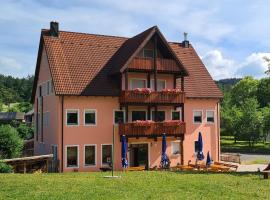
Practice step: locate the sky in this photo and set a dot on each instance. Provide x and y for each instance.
(231, 36)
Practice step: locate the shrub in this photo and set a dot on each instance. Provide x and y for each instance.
(5, 168)
(10, 142)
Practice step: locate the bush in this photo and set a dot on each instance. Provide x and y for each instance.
(5, 168)
(25, 132)
(11, 144)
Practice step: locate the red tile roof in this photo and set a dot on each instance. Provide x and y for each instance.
(82, 64)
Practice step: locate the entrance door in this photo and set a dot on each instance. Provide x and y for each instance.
(138, 155)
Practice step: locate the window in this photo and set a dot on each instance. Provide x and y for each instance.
(161, 84)
(90, 117)
(176, 115)
(40, 90)
(51, 87)
(210, 116)
(48, 87)
(176, 147)
(106, 152)
(72, 117)
(90, 155)
(160, 116)
(138, 115)
(138, 83)
(197, 116)
(148, 53)
(72, 156)
(119, 116)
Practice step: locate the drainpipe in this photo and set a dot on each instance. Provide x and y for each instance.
(62, 133)
(218, 130)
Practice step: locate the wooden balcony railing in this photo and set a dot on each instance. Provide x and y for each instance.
(147, 64)
(156, 129)
(130, 96)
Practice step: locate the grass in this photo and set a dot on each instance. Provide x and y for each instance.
(257, 161)
(133, 185)
(228, 145)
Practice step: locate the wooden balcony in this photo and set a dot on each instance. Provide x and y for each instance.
(155, 129)
(147, 64)
(133, 97)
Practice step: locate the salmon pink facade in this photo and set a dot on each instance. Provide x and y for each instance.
(89, 89)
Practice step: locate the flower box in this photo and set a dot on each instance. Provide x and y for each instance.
(143, 123)
(173, 123)
(143, 91)
(171, 91)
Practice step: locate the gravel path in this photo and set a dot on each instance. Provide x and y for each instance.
(251, 168)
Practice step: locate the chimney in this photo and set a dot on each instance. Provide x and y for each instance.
(54, 29)
(185, 43)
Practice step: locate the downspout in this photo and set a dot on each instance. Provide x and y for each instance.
(62, 133)
(218, 130)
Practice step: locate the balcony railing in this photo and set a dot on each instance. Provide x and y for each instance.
(154, 129)
(147, 64)
(130, 96)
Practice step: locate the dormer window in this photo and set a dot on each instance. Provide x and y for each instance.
(148, 53)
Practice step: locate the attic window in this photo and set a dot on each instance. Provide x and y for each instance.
(148, 53)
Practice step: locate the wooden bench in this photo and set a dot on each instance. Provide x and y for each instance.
(140, 168)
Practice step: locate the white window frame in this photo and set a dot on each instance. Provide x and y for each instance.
(175, 141)
(101, 163)
(86, 165)
(78, 156)
(213, 116)
(138, 110)
(90, 110)
(194, 116)
(115, 110)
(142, 79)
(78, 112)
(180, 113)
(152, 86)
(151, 117)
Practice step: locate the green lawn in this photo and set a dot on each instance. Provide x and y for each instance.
(133, 185)
(228, 145)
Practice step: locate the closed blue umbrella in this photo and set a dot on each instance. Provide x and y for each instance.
(208, 159)
(200, 155)
(124, 151)
(164, 158)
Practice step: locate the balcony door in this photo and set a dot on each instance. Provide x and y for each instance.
(138, 155)
(138, 115)
(137, 83)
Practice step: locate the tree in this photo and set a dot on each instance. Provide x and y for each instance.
(250, 121)
(21, 107)
(268, 61)
(10, 142)
(246, 88)
(263, 92)
(266, 122)
(25, 132)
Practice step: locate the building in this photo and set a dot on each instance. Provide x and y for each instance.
(7, 117)
(87, 84)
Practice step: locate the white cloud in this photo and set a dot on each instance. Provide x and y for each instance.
(254, 65)
(9, 65)
(220, 67)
